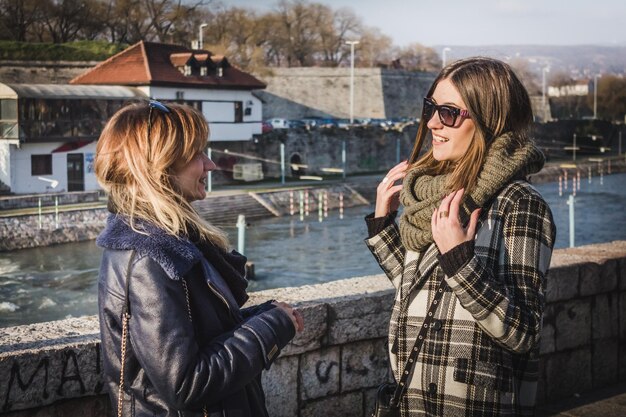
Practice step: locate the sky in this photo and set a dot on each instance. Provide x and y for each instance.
(485, 22)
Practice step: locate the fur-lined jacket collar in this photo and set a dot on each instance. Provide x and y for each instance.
(176, 255)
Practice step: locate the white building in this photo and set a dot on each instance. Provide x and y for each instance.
(580, 88)
(48, 133)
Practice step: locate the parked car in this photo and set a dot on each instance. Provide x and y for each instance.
(311, 121)
(297, 124)
(343, 123)
(278, 123)
(327, 122)
(266, 127)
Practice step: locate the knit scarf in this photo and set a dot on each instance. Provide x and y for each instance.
(422, 193)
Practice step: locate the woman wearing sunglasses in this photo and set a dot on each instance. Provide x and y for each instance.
(470, 252)
(175, 340)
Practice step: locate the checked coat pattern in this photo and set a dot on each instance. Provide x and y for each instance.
(480, 356)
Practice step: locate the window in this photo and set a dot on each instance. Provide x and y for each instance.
(41, 164)
(187, 70)
(180, 95)
(203, 71)
(8, 109)
(238, 111)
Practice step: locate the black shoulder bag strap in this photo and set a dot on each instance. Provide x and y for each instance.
(408, 367)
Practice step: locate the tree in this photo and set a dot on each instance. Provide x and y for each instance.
(611, 99)
(418, 57)
(335, 29)
(525, 75)
(17, 18)
(374, 48)
(64, 19)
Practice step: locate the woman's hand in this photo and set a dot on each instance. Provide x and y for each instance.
(294, 315)
(447, 229)
(387, 198)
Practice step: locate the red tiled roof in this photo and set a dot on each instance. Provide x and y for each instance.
(179, 60)
(155, 64)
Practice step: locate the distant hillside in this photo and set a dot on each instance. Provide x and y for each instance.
(579, 60)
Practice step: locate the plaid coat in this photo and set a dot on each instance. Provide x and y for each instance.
(480, 356)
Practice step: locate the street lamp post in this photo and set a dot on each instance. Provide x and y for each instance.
(543, 91)
(202, 26)
(595, 96)
(443, 55)
(352, 43)
(343, 145)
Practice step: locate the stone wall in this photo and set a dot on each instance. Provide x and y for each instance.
(28, 231)
(368, 149)
(335, 365)
(69, 226)
(42, 72)
(293, 93)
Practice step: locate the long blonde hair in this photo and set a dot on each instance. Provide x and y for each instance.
(497, 103)
(135, 170)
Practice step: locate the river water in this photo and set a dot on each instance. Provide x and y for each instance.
(56, 282)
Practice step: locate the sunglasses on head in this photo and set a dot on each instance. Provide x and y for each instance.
(153, 104)
(447, 114)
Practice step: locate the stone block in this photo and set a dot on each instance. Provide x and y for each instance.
(596, 278)
(93, 406)
(567, 373)
(369, 401)
(41, 376)
(573, 324)
(548, 333)
(548, 341)
(280, 384)
(315, 328)
(562, 283)
(359, 318)
(346, 405)
(622, 315)
(605, 316)
(364, 365)
(319, 373)
(621, 266)
(622, 362)
(604, 362)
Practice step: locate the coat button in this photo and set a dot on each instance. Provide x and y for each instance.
(432, 388)
(436, 326)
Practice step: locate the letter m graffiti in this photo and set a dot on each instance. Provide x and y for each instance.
(16, 379)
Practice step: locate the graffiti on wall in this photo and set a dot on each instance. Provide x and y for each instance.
(48, 376)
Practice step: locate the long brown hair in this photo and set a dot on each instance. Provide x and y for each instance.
(135, 170)
(497, 103)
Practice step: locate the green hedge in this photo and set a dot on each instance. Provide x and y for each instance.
(71, 51)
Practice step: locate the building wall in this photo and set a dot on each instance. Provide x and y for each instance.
(334, 366)
(23, 182)
(5, 163)
(218, 107)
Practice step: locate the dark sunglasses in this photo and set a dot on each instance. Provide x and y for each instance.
(153, 104)
(447, 114)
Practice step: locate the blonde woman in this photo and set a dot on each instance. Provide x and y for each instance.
(175, 340)
(475, 237)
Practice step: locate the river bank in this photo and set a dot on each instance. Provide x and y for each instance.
(26, 228)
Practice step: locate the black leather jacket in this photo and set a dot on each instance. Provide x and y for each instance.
(190, 348)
